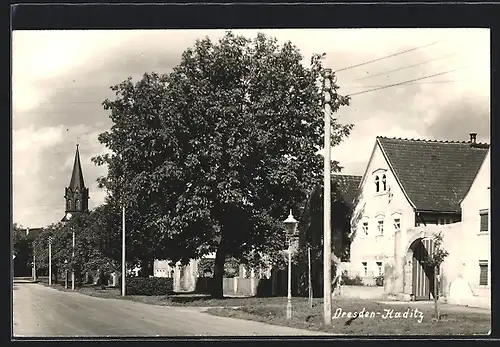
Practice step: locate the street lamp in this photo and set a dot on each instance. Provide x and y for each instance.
(290, 226)
(66, 274)
(68, 217)
(50, 261)
(34, 262)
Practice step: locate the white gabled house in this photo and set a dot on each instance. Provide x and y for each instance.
(410, 189)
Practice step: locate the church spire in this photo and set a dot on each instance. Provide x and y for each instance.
(77, 175)
(76, 194)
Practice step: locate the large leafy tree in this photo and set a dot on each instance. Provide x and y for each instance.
(22, 250)
(213, 155)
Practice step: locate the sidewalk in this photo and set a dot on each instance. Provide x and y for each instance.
(450, 307)
(24, 280)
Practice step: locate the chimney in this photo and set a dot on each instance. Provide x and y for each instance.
(27, 231)
(473, 138)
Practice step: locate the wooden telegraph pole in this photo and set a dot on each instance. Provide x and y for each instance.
(327, 275)
(73, 264)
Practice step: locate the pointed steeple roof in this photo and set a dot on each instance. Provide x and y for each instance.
(77, 175)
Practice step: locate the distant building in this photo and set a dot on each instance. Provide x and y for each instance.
(344, 189)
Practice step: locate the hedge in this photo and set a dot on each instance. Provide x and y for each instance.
(150, 286)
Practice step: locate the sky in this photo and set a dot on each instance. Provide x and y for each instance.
(60, 78)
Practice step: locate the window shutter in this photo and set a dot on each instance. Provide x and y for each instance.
(484, 221)
(483, 273)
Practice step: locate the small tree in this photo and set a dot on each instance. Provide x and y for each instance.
(434, 261)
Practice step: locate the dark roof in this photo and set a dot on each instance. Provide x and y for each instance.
(77, 174)
(436, 175)
(347, 186)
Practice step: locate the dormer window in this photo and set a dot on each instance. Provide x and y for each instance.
(377, 184)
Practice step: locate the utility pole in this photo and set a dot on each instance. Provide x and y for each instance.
(50, 261)
(309, 272)
(73, 264)
(34, 263)
(123, 251)
(327, 275)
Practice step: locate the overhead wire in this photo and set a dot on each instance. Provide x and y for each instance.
(402, 83)
(387, 56)
(406, 67)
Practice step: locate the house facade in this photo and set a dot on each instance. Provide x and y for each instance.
(410, 187)
(470, 272)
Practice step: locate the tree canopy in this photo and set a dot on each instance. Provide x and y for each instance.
(97, 243)
(211, 156)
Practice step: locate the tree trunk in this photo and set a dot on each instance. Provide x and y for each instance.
(102, 279)
(55, 272)
(146, 268)
(217, 290)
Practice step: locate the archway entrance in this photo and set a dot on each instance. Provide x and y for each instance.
(422, 275)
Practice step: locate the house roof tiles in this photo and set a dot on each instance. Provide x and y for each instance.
(347, 186)
(436, 175)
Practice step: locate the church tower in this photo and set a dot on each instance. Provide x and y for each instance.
(76, 194)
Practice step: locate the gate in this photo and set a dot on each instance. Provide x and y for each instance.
(422, 274)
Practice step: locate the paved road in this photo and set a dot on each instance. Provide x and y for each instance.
(43, 311)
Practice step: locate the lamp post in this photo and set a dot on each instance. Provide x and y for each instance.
(50, 261)
(290, 224)
(34, 263)
(66, 274)
(68, 217)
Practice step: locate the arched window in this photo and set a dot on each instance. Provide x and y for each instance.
(384, 182)
(377, 184)
(78, 205)
(69, 205)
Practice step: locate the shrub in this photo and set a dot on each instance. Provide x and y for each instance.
(231, 268)
(205, 267)
(379, 280)
(150, 286)
(348, 281)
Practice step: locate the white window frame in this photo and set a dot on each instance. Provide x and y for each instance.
(481, 213)
(481, 264)
(378, 178)
(384, 183)
(396, 227)
(365, 231)
(380, 222)
(364, 264)
(380, 268)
